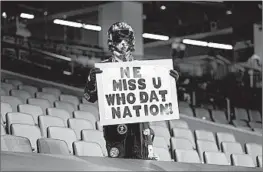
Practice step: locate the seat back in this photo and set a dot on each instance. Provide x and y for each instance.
(163, 153)
(5, 108)
(44, 104)
(21, 94)
(60, 113)
(33, 110)
(219, 116)
(91, 108)
(242, 160)
(13, 101)
(202, 114)
(51, 90)
(82, 148)
(18, 118)
(224, 137)
(85, 115)
(181, 143)
(49, 121)
(241, 114)
(95, 136)
(253, 150)
(159, 123)
(178, 123)
(231, 148)
(52, 146)
(62, 133)
(187, 156)
(14, 82)
(15, 144)
(162, 132)
(69, 107)
(216, 158)
(69, 98)
(29, 131)
(79, 124)
(3, 92)
(7, 87)
(28, 88)
(47, 96)
(184, 133)
(254, 116)
(160, 142)
(206, 146)
(205, 135)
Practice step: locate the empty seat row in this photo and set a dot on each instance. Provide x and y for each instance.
(50, 146)
(44, 104)
(33, 133)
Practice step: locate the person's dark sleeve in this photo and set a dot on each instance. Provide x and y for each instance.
(90, 91)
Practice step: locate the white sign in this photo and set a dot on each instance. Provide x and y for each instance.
(138, 91)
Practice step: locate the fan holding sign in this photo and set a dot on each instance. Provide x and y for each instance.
(130, 95)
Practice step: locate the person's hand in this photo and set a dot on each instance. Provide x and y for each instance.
(93, 72)
(174, 74)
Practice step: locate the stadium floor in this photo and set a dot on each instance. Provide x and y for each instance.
(36, 162)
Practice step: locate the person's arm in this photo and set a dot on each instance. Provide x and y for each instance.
(90, 91)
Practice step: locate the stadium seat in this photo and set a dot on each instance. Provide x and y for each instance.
(202, 114)
(85, 115)
(159, 123)
(5, 108)
(7, 87)
(32, 110)
(162, 132)
(3, 92)
(14, 82)
(258, 130)
(178, 123)
(231, 148)
(44, 104)
(186, 156)
(239, 123)
(69, 98)
(29, 131)
(255, 125)
(215, 158)
(244, 128)
(183, 104)
(61, 113)
(3, 131)
(98, 126)
(62, 133)
(254, 116)
(181, 143)
(242, 160)
(206, 146)
(160, 142)
(47, 96)
(19, 118)
(219, 116)
(163, 153)
(79, 124)
(204, 135)
(30, 89)
(241, 114)
(21, 94)
(13, 101)
(186, 111)
(82, 148)
(224, 137)
(51, 90)
(69, 107)
(184, 133)
(52, 146)
(95, 136)
(15, 144)
(49, 121)
(253, 150)
(90, 108)
(259, 161)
